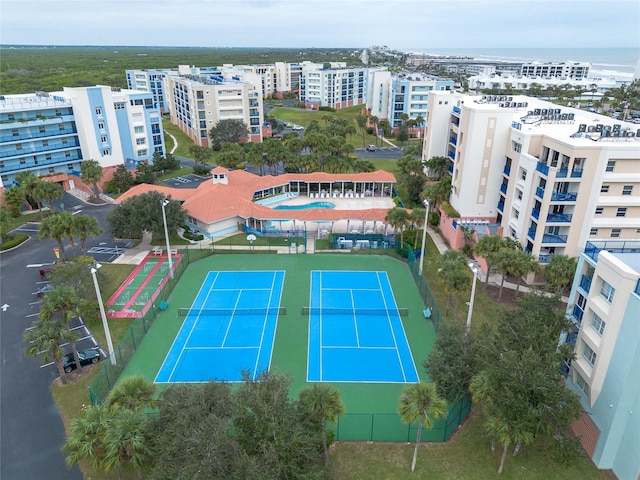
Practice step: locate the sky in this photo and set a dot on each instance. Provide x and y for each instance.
(400, 24)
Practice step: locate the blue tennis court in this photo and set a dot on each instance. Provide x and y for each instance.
(355, 331)
(229, 328)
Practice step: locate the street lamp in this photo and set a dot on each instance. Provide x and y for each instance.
(424, 233)
(94, 269)
(474, 269)
(164, 202)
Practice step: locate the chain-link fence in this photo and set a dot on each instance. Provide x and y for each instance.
(108, 374)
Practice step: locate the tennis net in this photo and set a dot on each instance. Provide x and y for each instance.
(183, 312)
(403, 312)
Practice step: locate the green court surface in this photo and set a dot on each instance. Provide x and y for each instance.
(292, 331)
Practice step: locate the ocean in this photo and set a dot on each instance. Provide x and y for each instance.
(604, 61)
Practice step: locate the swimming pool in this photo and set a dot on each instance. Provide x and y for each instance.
(306, 206)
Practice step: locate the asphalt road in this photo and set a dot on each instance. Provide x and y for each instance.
(31, 430)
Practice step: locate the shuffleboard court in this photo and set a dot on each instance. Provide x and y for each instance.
(355, 330)
(229, 328)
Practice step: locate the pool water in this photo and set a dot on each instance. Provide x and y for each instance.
(306, 206)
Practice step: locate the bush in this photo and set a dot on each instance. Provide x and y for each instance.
(200, 170)
(13, 240)
(370, 130)
(327, 109)
(434, 219)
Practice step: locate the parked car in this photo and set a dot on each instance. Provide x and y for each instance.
(92, 355)
(298, 127)
(46, 288)
(371, 148)
(45, 272)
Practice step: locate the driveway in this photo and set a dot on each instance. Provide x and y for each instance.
(31, 430)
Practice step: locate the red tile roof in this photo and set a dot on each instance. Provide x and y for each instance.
(212, 202)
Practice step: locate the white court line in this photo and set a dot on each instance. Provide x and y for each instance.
(32, 315)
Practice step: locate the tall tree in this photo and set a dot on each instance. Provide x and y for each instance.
(361, 120)
(65, 302)
(455, 275)
(45, 338)
(126, 440)
(49, 191)
(29, 182)
(85, 226)
(437, 167)
(323, 403)
(397, 217)
(132, 393)
(452, 361)
(420, 403)
(122, 179)
(55, 227)
(523, 263)
(15, 197)
(559, 272)
(487, 247)
(144, 213)
(416, 217)
(4, 222)
(375, 121)
(228, 130)
(91, 173)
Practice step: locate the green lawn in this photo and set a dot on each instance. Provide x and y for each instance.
(466, 456)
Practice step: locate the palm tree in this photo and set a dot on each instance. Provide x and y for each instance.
(420, 403)
(362, 125)
(63, 300)
(4, 221)
(132, 392)
(126, 440)
(523, 263)
(455, 275)
(91, 172)
(29, 182)
(52, 227)
(15, 197)
(438, 166)
(374, 121)
(416, 217)
(49, 191)
(322, 402)
(397, 217)
(487, 247)
(85, 438)
(45, 338)
(559, 272)
(86, 226)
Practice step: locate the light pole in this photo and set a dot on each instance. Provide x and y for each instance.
(424, 233)
(164, 202)
(94, 269)
(474, 269)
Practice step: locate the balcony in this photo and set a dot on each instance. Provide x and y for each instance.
(564, 172)
(564, 197)
(501, 206)
(450, 169)
(453, 140)
(540, 193)
(507, 170)
(637, 290)
(544, 258)
(503, 188)
(34, 135)
(613, 246)
(554, 238)
(531, 233)
(577, 313)
(577, 173)
(559, 217)
(451, 155)
(535, 213)
(31, 150)
(516, 125)
(585, 283)
(542, 168)
(457, 110)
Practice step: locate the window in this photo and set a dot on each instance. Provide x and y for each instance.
(119, 106)
(101, 125)
(98, 110)
(594, 231)
(589, 355)
(18, 146)
(14, 133)
(598, 324)
(604, 189)
(45, 143)
(611, 165)
(615, 233)
(103, 139)
(69, 166)
(582, 384)
(517, 147)
(142, 152)
(607, 291)
(523, 176)
(105, 151)
(627, 189)
(140, 141)
(622, 211)
(138, 129)
(599, 210)
(41, 129)
(519, 194)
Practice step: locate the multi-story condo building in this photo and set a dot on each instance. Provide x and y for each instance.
(335, 87)
(604, 305)
(149, 81)
(591, 87)
(409, 95)
(198, 102)
(553, 178)
(565, 70)
(53, 132)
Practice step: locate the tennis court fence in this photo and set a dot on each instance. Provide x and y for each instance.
(402, 312)
(109, 374)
